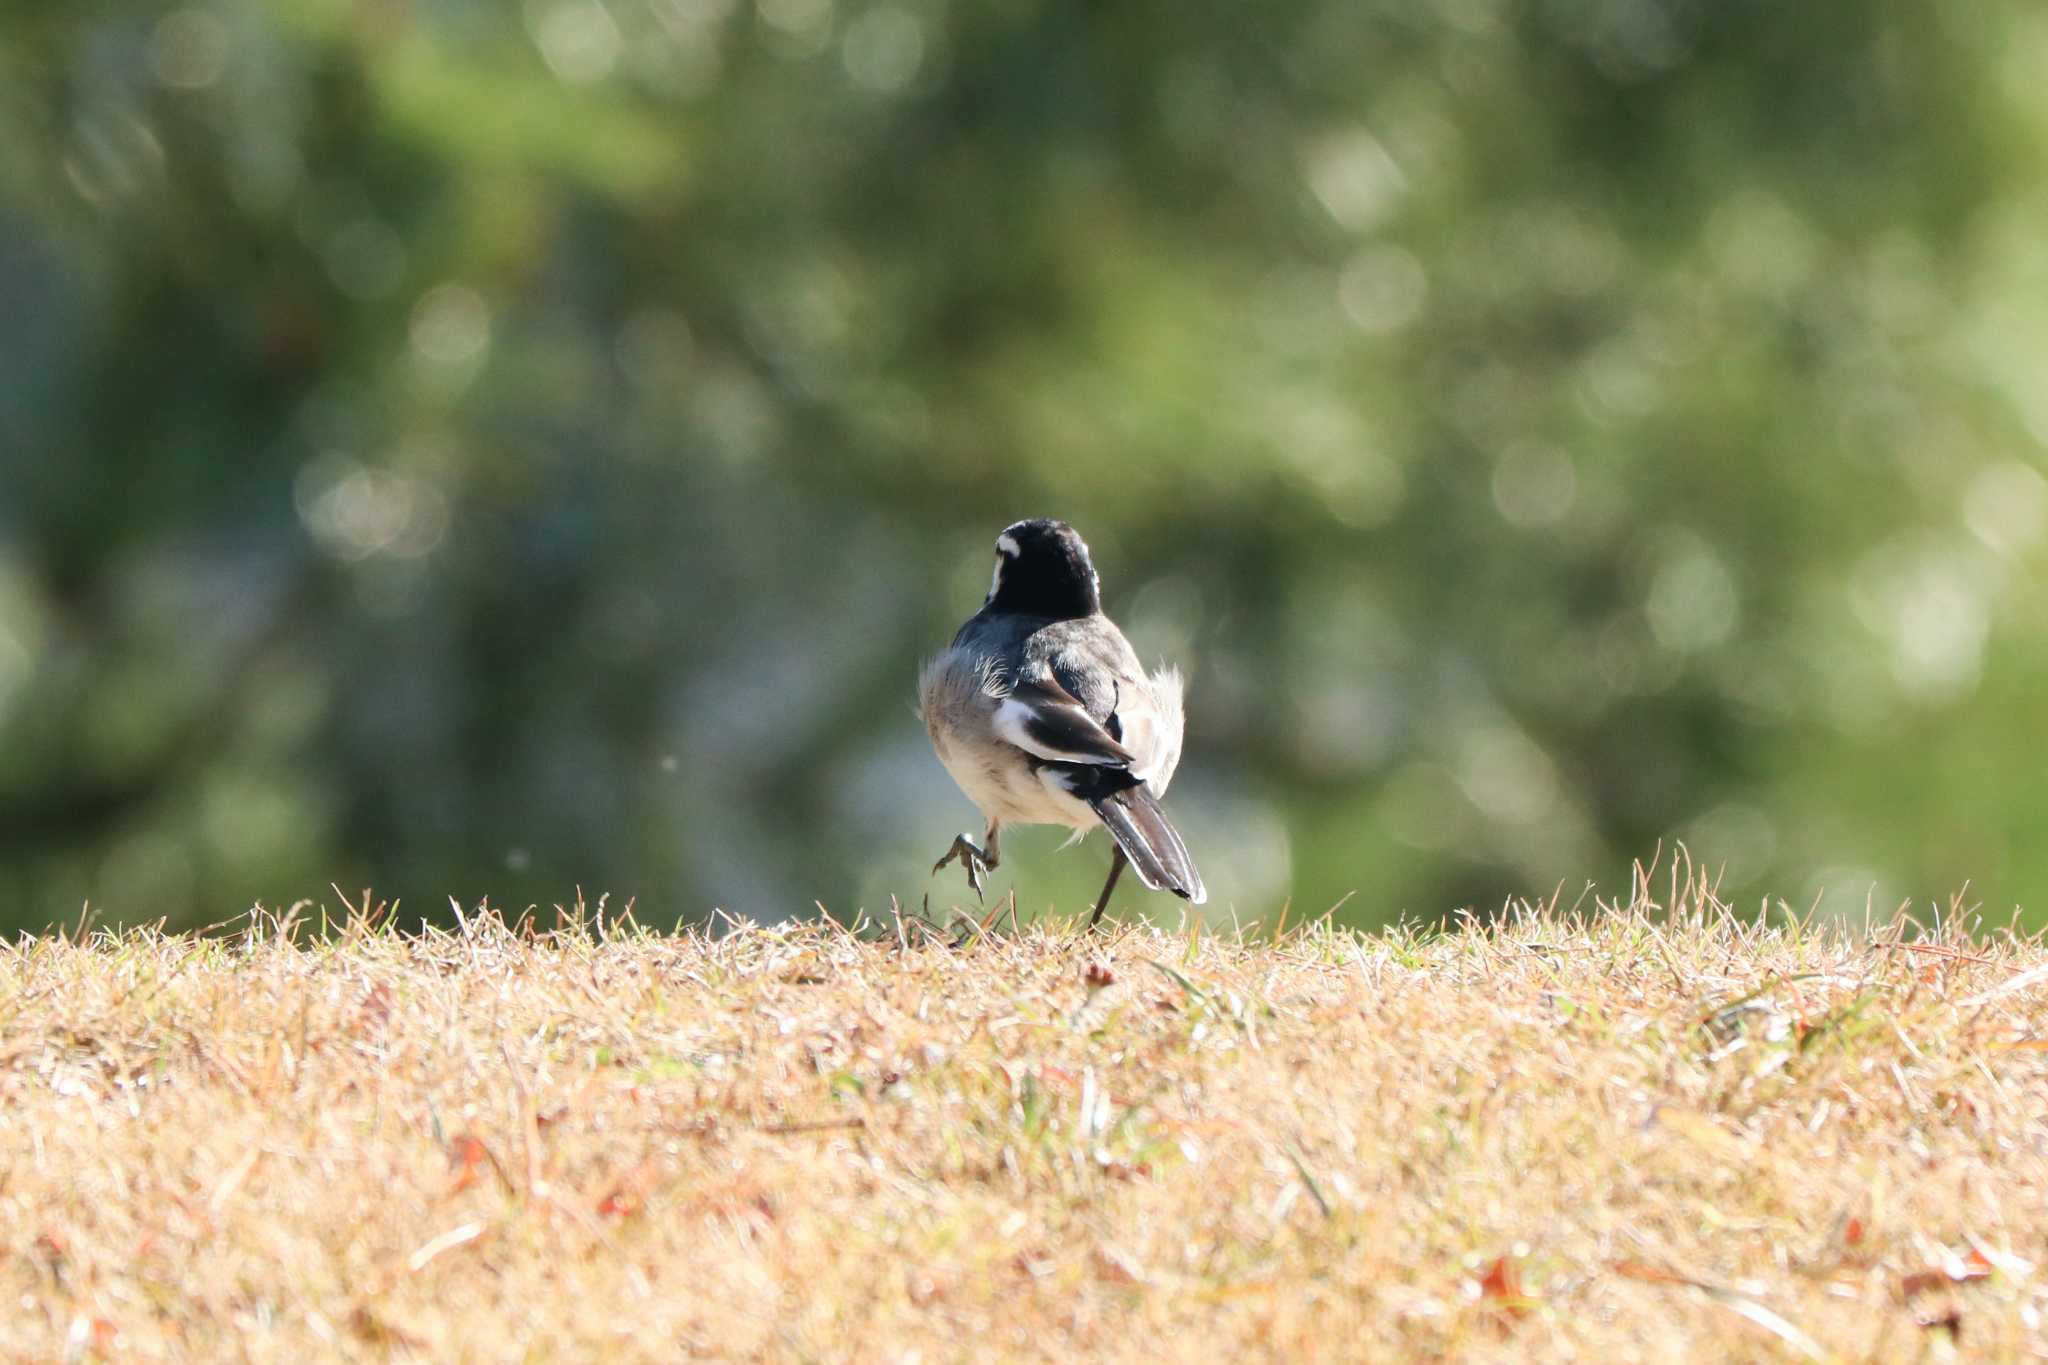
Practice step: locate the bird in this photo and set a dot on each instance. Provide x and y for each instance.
(1042, 714)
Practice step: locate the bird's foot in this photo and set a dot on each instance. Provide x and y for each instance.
(971, 856)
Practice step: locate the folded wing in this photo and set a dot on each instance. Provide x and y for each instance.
(1044, 719)
(1116, 767)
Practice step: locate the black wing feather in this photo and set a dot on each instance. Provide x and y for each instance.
(1044, 719)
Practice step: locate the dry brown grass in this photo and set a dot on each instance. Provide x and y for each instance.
(1654, 1133)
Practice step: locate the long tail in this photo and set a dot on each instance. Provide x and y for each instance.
(1151, 842)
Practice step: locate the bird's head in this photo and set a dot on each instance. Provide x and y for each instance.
(1043, 569)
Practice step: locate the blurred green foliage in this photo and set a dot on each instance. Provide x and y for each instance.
(482, 449)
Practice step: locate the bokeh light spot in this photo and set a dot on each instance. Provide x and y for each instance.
(578, 39)
(450, 325)
(1355, 178)
(1760, 244)
(113, 156)
(1505, 775)
(1382, 288)
(188, 49)
(1327, 444)
(1693, 604)
(809, 22)
(354, 512)
(2006, 507)
(883, 49)
(1939, 634)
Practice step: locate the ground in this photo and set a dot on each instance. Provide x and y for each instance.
(1659, 1130)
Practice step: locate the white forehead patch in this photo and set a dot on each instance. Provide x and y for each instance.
(1007, 544)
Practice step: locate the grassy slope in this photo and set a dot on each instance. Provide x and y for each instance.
(1651, 1133)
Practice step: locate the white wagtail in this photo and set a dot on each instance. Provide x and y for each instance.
(1043, 715)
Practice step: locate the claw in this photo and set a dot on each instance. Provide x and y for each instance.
(970, 856)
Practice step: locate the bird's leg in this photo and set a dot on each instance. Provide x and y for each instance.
(1116, 869)
(977, 859)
